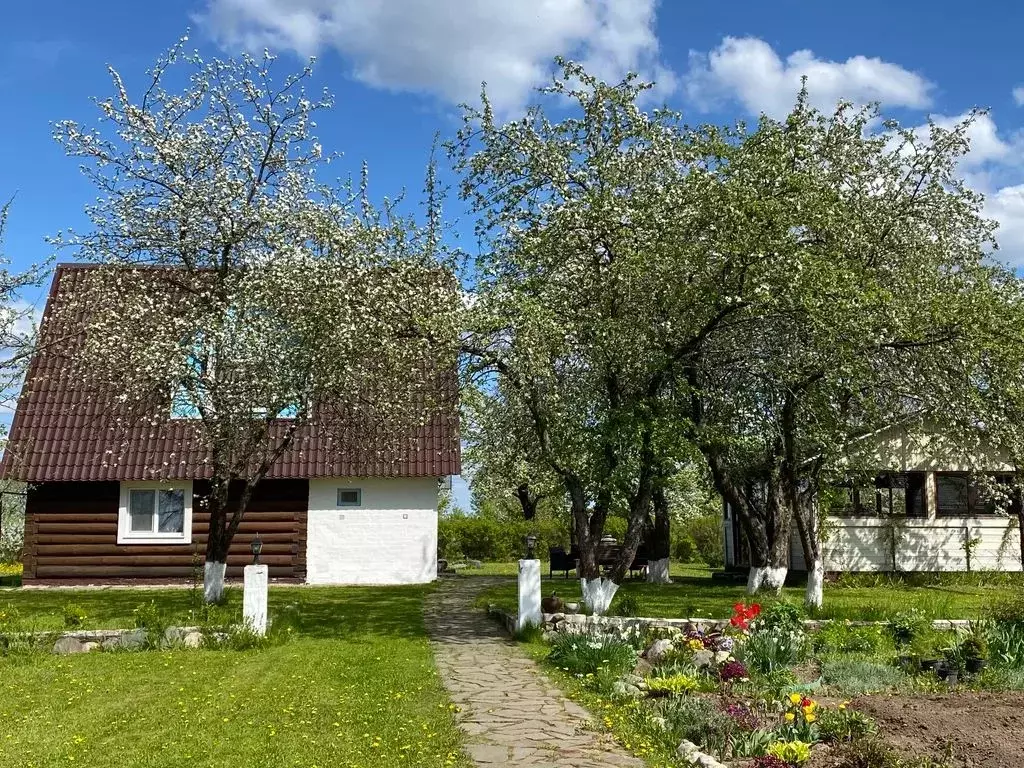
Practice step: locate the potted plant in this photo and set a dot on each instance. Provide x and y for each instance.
(922, 649)
(974, 650)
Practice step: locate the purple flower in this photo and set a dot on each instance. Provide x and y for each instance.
(743, 716)
(770, 761)
(724, 643)
(732, 670)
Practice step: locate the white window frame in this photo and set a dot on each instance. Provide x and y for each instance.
(124, 533)
(357, 503)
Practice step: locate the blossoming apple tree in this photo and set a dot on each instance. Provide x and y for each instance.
(236, 289)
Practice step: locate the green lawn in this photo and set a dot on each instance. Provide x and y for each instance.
(694, 595)
(356, 686)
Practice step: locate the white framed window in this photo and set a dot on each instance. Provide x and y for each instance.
(155, 513)
(350, 497)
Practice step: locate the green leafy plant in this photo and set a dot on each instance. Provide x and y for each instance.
(841, 637)
(792, 752)
(626, 605)
(673, 684)
(907, 625)
(698, 720)
(845, 724)
(751, 743)
(859, 676)
(74, 616)
(781, 615)
(771, 649)
(529, 633)
(148, 617)
(586, 654)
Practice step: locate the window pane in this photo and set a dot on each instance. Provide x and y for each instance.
(140, 511)
(349, 497)
(951, 495)
(172, 511)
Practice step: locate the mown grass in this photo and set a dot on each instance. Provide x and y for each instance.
(693, 594)
(355, 686)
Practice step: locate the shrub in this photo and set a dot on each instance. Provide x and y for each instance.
(587, 654)
(857, 676)
(708, 539)
(485, 538)
(684, 549)
(74, 616)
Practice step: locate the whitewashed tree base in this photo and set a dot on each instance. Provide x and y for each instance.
(658, 571)
(213, 581)
(815, 594)
(529, 594)
(598, 594)
(767, 578)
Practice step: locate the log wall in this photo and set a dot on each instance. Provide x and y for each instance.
(71, 535)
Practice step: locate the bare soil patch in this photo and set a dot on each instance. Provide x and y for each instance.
(985, 730)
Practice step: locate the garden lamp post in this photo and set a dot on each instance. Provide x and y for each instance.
(531, 545)
(256, 546)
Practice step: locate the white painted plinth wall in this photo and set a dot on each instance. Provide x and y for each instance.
(391, 538)
(529, 593)
(254, 598)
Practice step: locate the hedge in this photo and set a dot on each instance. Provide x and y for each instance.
(481, 538)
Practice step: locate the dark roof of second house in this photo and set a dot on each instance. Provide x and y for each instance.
(62, 432)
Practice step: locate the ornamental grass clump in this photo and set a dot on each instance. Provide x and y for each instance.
(580, 654)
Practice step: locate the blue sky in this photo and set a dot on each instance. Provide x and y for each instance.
(398, 67)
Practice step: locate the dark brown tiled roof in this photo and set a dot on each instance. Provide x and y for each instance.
(62, 431)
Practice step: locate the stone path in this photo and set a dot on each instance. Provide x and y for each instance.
(511, 713)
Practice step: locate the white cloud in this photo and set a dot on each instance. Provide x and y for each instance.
(749, 71)
(1006, 205)
(987, 146)
(1018, 95)
(447, 47)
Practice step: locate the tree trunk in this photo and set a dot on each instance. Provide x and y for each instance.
(770, 572)
(527, 501)
(217, 542)
(809, 528)
(659, 544)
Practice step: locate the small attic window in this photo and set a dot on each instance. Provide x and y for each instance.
(350, 497)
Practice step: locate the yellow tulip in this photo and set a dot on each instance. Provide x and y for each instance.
(790, 717)
(795, 698)
(810, 717)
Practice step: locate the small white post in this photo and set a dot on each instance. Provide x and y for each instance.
(529, 594)
(254, 598)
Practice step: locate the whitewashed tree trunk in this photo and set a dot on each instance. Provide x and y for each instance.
(766, 577)
(658, 571)
(598, 594)
(815, 583)
(213, 581)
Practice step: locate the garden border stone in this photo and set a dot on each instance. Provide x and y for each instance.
(577, 622)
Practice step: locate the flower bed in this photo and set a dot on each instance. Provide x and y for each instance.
(766, 689)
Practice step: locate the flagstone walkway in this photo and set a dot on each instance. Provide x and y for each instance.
(510, 712)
